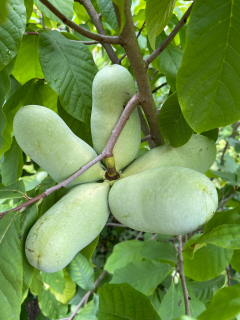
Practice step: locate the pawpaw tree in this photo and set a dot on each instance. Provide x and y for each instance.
(119, 159)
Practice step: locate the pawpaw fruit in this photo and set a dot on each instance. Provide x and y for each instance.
(198, 154)
(113, 87)
(67, 227)
(167, 200)
(48, 141)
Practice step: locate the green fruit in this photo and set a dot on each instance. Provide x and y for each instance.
(198, 154)
(47, 140)
(67, 227)
(169, 200)
(113, 87)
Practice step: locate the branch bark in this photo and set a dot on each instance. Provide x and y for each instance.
(166, 42)
(129, 42)
(100, 29)
(91, 35)
(184, 286)
(107, 152)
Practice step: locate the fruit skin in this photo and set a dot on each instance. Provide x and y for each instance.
(47, 140)
(67, 227)
(113, 87)
(167, 200)
(198, 154)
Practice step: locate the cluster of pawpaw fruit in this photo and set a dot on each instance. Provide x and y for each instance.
(163, 191)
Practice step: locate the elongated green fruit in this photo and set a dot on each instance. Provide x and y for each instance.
(67, 227)
(167, 200)
(113, 87)
(48, 141)
(198, 154)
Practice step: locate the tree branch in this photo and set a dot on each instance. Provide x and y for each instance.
(182, 276)
(100, 29)
(107, 152)
(172, 35)
(77, 28)
(159, 87)
(130, 44)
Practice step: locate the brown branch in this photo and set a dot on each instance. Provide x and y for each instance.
(130, 44)
(85, 298)
(100, 29)
(111, 224)
(149, 137)
(159, 87)
(31, 33)
(91, 35)
(182, 276)
(107, 152)
(145, 128)
(171, 36)
(228, 276)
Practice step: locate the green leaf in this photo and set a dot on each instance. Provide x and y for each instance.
(223, 217)
(73, 81)
(15, 191)
(81, 272)
(209, 76)
(87, 312)
(123, 253)
(235, 261)
(212, 134)
(87, 252)
(208, 262)
(36, 284)
(121, 301)
(120, 4)
(205, 290)
(50, 307)
(12, 165)
(226, 176)
(54, 280)
(11, 31)
(158, 13)
(169, 61)
(34, 180)
(3, 11)
(65, 6)
(172, 123)
(27, 65)
(143, 276)
(28, 218)
(224, 305)
(11, 271)
(154, 250)
(107, 10)
(29, 8)
(20, 97)
(80, 129)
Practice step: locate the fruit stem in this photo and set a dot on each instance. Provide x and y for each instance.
(111, 173)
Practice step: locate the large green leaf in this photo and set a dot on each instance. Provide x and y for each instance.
(54, 280)
(169, 61)
(121, 301)
(28, 218)
(223, 217)
(87, 252)
(172, 123)
(209, 78)
(3, 11)
(81, 272)
(16, 190)
(50, 306)
(11, 271)
(19, 98)
(205, 290)
(172, 305)
(65, 6)
(87, 312)
(29, 8)
(27, 65)
(208, 262)
(12, 165)
(120, 4)
(224, 306)
(73, 80)
(143, 276)
(11, 31)
(158, 13)
(154, 250)
(36, 284)
(107, 10)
